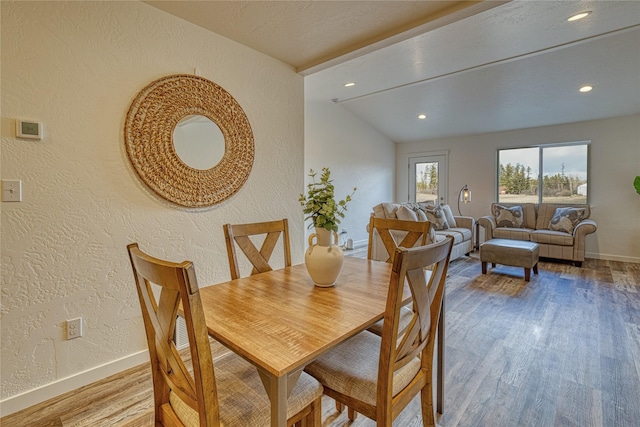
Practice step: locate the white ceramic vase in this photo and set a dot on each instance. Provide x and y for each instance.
(324, 260)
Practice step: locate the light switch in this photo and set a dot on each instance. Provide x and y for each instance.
(11, 190)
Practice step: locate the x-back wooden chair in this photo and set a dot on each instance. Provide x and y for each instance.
(240, 235)
(378, 376)
(233, 394)
(417, 232)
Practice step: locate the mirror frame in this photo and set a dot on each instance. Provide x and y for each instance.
(148, 136)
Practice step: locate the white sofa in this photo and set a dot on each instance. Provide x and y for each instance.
(462, 233)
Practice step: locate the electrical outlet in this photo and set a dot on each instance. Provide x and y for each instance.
(74, 328)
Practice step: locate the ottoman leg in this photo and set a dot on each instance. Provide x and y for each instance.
(535, 268)
(484, 267)
(527, 274)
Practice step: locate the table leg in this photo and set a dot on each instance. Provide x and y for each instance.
(276, 388)
(440, 368)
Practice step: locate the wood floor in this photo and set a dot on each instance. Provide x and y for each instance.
(560, 350)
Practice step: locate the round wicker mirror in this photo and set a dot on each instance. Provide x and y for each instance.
(148, 137)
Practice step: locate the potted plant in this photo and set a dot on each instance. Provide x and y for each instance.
(636, 184)
(323, 260)
(320, 205)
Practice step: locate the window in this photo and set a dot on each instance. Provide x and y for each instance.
(564, 177)
(427, 178)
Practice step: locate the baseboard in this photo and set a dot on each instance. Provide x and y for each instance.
(43, 393)
(360, 243)
(609, 257)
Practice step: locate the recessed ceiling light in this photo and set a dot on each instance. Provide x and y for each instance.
(579, 16)
(349, 84)
(422, 116)
(585, 89)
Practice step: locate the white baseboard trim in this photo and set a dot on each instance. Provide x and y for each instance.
(360, 244)
(43, 393)
(609, 257)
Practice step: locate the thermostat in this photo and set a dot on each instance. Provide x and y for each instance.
(28, 129)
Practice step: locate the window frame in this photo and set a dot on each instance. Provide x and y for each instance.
(541, 148)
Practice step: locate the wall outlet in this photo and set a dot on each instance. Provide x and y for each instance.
(74, 328)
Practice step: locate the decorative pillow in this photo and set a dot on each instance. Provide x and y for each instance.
(421, 215)
(512, 217)
(566, 219)
(437, 218)
(449, 215)
(406, 214)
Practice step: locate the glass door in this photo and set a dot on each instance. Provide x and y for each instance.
(428, 179)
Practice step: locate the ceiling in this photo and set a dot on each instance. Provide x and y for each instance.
(471, 67)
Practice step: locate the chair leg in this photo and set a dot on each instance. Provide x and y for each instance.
(426, 405)
(314, 419)
(352, 414)
(339, 406)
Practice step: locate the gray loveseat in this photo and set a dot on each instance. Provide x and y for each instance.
(461, 231)
(559, 233)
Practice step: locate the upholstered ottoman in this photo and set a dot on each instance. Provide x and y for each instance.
(516, 253)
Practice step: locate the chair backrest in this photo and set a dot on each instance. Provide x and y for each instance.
(424, 269)
(416, 232)
(178, 285)
(239, 234)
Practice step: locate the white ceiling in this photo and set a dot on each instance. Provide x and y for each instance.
(471, 67)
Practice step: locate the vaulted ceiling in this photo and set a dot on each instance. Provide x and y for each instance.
(470, 67)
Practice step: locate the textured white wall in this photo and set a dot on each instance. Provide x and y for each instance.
(615, 161)
(76, 66)
(358, 157)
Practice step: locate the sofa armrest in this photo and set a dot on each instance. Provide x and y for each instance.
(489, 224)
(584, 227)
(465, 222)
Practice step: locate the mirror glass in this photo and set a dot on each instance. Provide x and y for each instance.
(199, 142)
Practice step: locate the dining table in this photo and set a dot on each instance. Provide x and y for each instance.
(279, 321)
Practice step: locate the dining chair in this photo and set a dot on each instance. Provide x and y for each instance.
(240, 235)
(378, 376)
(229, 393)
(390, 231)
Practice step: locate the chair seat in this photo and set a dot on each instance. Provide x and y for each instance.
(352, 368)
(243, 400)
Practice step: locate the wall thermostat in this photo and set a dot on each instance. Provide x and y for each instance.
(28, 129)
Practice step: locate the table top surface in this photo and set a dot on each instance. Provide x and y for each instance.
(280, 321)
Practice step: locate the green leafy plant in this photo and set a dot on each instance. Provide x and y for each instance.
(636, 184)
(320, 205)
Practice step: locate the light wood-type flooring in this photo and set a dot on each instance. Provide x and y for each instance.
(560, 350)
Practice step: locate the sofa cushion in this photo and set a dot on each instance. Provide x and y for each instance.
(549, 237)
(449, 215)
(511, 217)
(437, 218)
(566, 219)
(512, 233)
(546, 211)
(406, 214)
(421, 215)
(459, 234)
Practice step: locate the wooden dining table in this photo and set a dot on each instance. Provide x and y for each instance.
(280, 321)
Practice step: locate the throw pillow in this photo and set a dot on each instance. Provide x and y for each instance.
(421, 215)
(512, 217)
(437, 218)
(406, 214)
(566, 219)
(449, 215)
